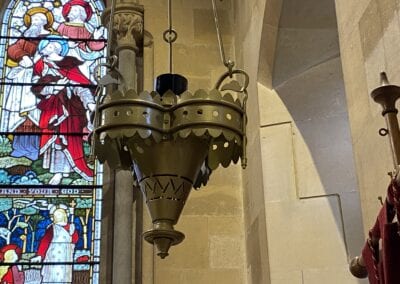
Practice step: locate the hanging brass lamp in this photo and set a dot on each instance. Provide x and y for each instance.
(172, 139)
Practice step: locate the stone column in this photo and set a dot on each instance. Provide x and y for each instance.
(127, 34)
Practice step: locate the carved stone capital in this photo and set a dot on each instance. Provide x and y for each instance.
(127, 26)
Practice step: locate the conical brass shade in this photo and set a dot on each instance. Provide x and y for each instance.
(166, 175)
(165, 196)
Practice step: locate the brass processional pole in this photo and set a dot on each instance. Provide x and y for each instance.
(386, 95)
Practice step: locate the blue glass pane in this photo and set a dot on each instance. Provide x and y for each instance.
(49, 189)
(31, 226)
(4, 30)
(99, 5)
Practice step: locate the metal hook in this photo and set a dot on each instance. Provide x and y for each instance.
(230, 74)
(383, 132)
(170, 36)
(228, 63)
(108, 79)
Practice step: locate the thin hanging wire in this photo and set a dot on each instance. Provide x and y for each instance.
(170, 35)
(170, 28)
(228, 63)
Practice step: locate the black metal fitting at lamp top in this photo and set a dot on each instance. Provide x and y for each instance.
(171, 82)
(173, 140)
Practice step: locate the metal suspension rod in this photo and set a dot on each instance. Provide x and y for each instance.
(228, 63)
(170, 29)
(170, 35)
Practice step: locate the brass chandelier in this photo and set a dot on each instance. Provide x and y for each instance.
(172, 139)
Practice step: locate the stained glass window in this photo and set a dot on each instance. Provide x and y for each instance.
(50, 191)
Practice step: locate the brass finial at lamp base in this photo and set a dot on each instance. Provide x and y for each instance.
(163, 236)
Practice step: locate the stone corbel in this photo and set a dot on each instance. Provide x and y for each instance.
(127, 26)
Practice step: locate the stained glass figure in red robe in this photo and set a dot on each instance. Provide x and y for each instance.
(63, 109)
(20, 112)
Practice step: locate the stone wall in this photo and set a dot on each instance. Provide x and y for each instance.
(298, 142)
(369, 32)
(308, 196)
(249, 19)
